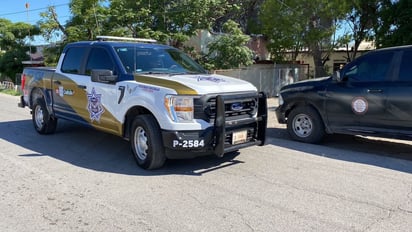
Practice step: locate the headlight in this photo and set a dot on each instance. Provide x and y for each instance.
(180, 108)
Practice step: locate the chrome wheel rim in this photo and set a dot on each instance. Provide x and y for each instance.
(141, 145)
(39, 117)
(302, 125)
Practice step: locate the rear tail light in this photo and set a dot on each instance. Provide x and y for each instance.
(23, 80)
(23, 84)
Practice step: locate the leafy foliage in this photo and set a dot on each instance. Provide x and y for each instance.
(172, 22)
(244, 12)
(394, 26)
(290, 26)
(10, 92)
(166, 21)
(360, 19)
(294, 25)
(230, 49)
(13, 43)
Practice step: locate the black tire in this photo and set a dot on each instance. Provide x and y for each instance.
(146, 142)
(305, 125)
(42, 121)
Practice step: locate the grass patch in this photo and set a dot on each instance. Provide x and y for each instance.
(10, 92)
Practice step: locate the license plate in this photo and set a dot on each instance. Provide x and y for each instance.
(239, 137)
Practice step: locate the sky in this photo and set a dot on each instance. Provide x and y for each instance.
(16, 11)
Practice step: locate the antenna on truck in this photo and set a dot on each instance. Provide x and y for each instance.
(106, 38)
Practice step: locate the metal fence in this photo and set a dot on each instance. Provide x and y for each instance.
(269, 78)
(6, 85)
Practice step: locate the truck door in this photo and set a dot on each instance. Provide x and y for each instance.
(77, 97)
(102, 96)
(358, 102)
(69, 85)
(399, 107)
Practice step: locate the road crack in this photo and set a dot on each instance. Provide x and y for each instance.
(408, 203)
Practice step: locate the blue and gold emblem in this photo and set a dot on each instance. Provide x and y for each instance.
(94, 105)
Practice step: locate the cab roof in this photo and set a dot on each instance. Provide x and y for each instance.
(114, 41)
(118, 44)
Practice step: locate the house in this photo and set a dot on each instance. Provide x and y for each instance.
(336, 59)
(203, 37)
(37, 58)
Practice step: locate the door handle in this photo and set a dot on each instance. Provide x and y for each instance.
(82, 86)
(375, 91)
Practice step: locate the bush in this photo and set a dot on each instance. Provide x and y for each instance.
(10, 92)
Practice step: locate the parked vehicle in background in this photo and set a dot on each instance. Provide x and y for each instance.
(153, 95)
(369, 96)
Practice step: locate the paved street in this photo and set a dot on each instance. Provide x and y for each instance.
(79, 179)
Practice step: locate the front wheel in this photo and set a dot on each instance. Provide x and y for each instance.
(146, 142)
(304, 124)
(42, 121)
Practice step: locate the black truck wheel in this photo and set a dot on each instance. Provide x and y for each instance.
(42, 121)
(304, 124)
(146, 142)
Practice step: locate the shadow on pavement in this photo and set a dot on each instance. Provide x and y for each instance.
(366, 150)
(91, 149)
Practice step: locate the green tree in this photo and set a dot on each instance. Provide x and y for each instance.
(168, 21)
(394, 26)
(134, 19)
(244, 12)
(50, 26)
(230, 50)
(13, 43)
(87, 21)
(294, 25)
(171, 22)
(359, 22)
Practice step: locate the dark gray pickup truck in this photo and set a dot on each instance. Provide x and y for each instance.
(370, 96)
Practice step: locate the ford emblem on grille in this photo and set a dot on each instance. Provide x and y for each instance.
(236, 106)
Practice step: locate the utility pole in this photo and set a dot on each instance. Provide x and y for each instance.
(28, 22)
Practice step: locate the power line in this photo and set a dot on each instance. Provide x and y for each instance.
(37, 9)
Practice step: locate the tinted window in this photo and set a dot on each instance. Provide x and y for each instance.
(405, 72)
(152, 60)
(99, 59)
(373, 67)
(72, 60)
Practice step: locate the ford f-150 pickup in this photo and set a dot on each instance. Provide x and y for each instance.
(153, 95)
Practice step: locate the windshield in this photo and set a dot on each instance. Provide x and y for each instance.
(157, 61)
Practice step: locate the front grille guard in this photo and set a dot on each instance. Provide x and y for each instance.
(260, 123)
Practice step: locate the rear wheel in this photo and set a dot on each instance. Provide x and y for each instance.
(146, 142)
(304, 124)
(42, 121)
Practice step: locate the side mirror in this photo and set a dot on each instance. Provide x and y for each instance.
(336, 76)
(103, 75)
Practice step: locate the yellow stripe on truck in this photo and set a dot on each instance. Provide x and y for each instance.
(178, 87)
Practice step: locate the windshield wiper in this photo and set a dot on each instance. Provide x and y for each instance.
(151, 72)
(184, 73)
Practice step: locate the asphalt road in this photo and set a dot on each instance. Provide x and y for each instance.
(79, 179)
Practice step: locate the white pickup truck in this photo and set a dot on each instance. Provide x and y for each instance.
(153, 95)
